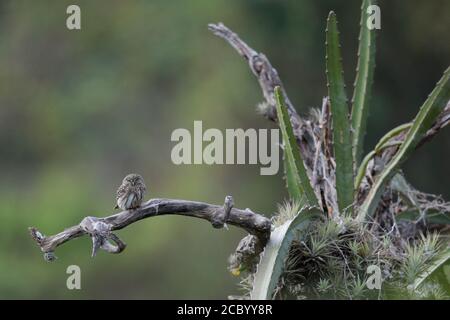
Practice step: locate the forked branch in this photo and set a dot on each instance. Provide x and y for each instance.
(100, 229)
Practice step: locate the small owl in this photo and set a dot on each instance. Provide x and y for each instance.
(131, 192)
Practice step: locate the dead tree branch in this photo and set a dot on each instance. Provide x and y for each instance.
(100, 229)
(260, 66)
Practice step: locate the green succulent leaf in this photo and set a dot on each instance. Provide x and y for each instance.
(363, 81)
(391, 134)
(362, 169)
(276, 252)
(340, 114)
(431, 268)
(298, 184)
(363, 166)
(380, 146)
(294, 190)
(427, 115)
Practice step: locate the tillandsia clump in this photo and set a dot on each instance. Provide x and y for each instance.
(354, 228)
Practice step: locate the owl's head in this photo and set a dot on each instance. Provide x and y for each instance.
(133, 179)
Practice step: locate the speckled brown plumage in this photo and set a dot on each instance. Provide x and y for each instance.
(131, 192)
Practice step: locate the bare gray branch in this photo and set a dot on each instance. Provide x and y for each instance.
(100, 229)
(261, 67)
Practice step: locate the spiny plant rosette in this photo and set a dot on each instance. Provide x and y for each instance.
(346, 212)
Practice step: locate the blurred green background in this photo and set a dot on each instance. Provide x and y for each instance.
(80, 109)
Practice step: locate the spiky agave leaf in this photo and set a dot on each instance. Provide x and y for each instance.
(380, 146)
(363, 166)
(342, 143)
(363, 82)
(298, 184)
(427, 115)
(392, 133)
(439, 260)
(275, 253)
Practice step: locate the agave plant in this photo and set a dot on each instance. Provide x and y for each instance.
(346, 212)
